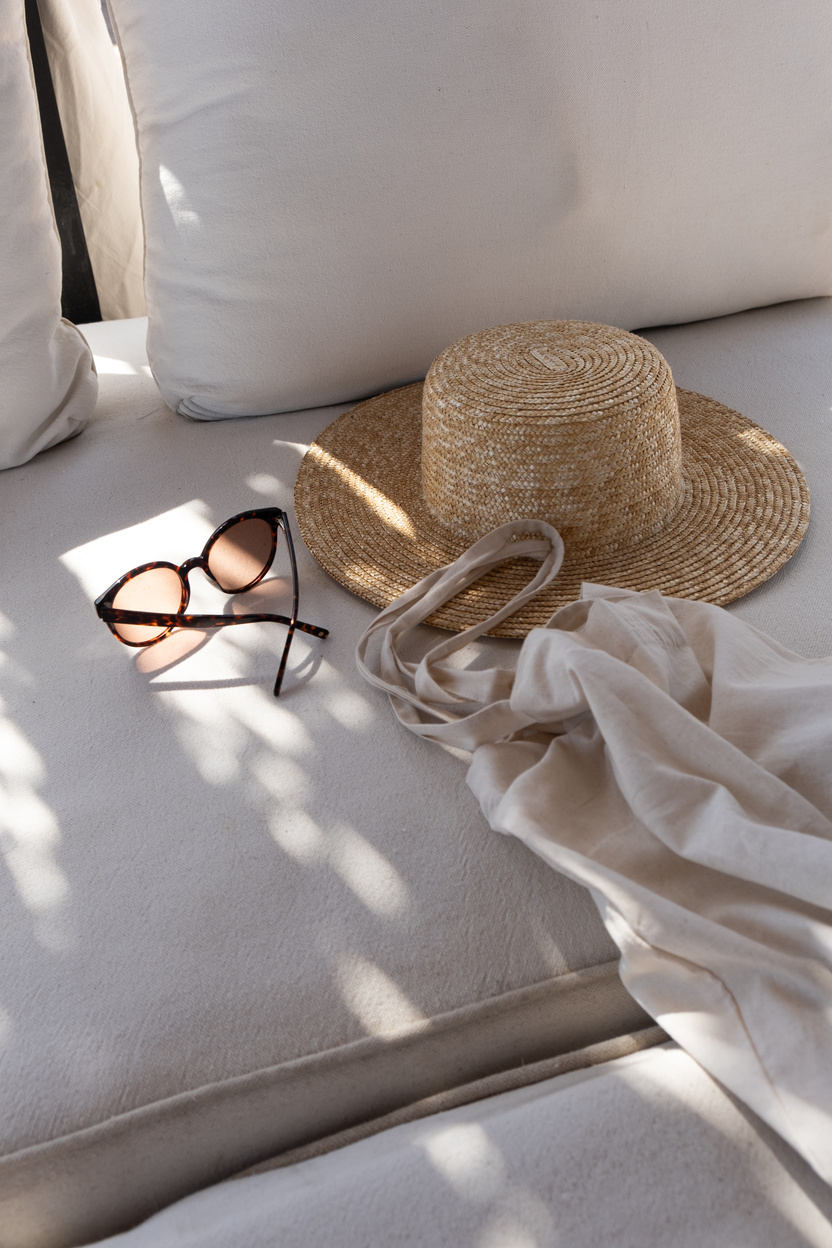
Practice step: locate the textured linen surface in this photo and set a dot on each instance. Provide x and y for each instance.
(233, 923)
(334, 193)
(48, 385)
(644, 1152)
(676, 762)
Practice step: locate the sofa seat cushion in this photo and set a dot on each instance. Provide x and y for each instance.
(644, 1150)
(234, 924)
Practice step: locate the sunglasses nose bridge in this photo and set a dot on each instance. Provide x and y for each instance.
(196, 562)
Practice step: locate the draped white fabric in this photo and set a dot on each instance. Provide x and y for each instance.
(678, 763)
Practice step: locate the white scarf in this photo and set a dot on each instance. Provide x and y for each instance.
(678, 763)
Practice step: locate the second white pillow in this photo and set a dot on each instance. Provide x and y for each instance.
(333, 193)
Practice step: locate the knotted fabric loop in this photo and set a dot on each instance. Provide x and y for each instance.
(427, 696)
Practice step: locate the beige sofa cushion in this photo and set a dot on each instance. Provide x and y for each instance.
(646, 1150)
(231, 923)
(48, 386)
(234, 924)
(333, 193)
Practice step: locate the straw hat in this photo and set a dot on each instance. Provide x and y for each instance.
(569, 422)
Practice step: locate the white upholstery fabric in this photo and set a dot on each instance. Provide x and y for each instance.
(101, 142)
(251, 921)
(333, 193)
(675, 761)
(231, 924)
(48, 385)
(643, 1151)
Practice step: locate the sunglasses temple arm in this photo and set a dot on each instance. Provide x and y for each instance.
(284, 519)
(283, 660)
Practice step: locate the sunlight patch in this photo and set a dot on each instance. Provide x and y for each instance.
(104, 364)
(372, 996)
(298, 836)
(264, 483)
(29, 835)
(467, 1160)
(375, 499)
(374, 880)
(172, 535)
(522, 1220)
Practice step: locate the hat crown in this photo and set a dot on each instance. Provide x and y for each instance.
(564, 421)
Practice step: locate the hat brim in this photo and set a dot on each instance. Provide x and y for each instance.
(358, 502)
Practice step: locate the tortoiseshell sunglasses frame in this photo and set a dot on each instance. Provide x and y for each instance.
(277, 519)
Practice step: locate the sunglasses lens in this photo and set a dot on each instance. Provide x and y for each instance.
(158, 589)
(241, 554)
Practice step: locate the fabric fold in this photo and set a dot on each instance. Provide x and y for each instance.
(675, 761)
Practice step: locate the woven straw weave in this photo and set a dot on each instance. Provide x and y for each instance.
(576, 424)
(572, 422)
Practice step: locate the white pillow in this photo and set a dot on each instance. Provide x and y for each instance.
(334, 192)
(48, 385)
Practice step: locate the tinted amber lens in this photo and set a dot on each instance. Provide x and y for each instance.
(160, 590)
(241, 554)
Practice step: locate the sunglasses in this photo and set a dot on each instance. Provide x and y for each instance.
(146, 604)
